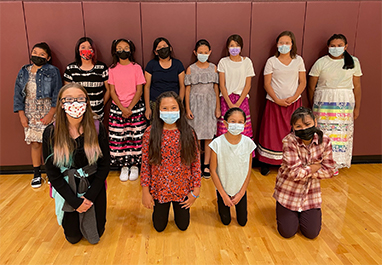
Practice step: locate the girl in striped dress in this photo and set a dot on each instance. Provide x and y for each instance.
(127, 121)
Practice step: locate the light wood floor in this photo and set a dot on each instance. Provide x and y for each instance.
(351, 230)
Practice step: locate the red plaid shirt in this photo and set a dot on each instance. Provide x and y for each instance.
(296, 187)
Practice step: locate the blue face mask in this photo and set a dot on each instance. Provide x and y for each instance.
(169, 117)
(203, 57)
(336, 51)
(235, 128)
(283, 49)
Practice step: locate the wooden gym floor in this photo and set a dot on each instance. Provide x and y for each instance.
(351, 230)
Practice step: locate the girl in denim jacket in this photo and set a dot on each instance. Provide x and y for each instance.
(35, 98)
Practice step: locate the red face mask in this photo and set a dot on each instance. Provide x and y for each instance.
(86, 54)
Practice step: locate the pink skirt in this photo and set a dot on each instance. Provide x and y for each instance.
(274, 127)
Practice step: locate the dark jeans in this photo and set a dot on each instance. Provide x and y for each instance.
(241, 210)
(289, 221)
(161, 211)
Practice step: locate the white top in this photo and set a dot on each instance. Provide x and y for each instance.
(331, 75)
(235, 73)
(233, 162)
(284, 77)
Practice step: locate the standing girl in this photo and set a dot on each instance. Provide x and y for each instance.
(202, 99)
(77, 161)
(307, 158)
(163, 73)
(170, 163)
(91, 74)
(35, 99)
(127, 121)
(284, 81)
(235, 75)
(337, 98)
(231, 166)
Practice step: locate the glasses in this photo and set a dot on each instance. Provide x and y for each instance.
(71, 100)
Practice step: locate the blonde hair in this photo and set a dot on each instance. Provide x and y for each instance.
(64, 145)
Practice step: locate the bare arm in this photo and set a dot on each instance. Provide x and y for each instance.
(181, 85)
(223, 89)
(245, 91)
(147, 95)
(300, 88)
(357, 95)
(106, 97)
(311, 88)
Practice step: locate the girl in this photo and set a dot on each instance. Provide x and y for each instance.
(284, 81)
(231, 165)
(77, 161)
(91, 74)
(235, 74)
(127, 121)
(337, 98)
(202, 99)
(170, 170)
(35, 99)
(163, 73)
(307, 158)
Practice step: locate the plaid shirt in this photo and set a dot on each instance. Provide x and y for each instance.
(297, 188)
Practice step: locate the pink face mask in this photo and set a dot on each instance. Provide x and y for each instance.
(87, 54)
(75, 109)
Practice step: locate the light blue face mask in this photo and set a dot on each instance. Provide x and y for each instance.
(169, 117)
(283, 49)
(203, 57)
(235, 128)
(336, 51)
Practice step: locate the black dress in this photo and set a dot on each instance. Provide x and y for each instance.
(96, 193)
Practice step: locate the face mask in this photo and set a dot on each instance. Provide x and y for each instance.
(123, 55)
(169, 117)
(336, 51)
(283, 49)
(235, 128)
(164, 52)
(234, 50)
(86, 54)
(75, 109)
(203, 57)
(305, 134)
(38, 61)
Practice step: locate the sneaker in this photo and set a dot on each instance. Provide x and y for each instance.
(205, 174)
(134, 172)
(264, 170)
(336, 173)
(124, 174)
(36, 182)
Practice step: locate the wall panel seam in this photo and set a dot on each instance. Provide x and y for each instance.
(25, 27)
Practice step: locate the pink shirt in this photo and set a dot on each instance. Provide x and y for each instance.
(125, 78)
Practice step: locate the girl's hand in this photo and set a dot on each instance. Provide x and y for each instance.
(24, 120)
(315, 167)
(126, 112)
(189, 114)
(148, 113)
(86, 204)
(47, 119)
(237, 197)
(190, 201)
(282, 102)
(218, 113)
(235, 105)
(147, 200)
(355, 113)
(227, 200)
(290, 100)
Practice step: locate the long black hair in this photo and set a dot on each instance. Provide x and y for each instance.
(114, 51)
(77, 50)
(349, 61)
(188, 143)
(155, 45)
(301, 113)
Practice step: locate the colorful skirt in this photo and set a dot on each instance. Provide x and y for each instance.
(125, 135)
(275, 125)
(333, 109)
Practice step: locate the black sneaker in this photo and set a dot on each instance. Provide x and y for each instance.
(36, 182)
(264, 170)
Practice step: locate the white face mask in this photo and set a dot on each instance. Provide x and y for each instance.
(283, 49)
(336, 51)
(235, 128)
(75, 109)
(203, 57)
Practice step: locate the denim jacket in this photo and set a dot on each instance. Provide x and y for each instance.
(48, 81)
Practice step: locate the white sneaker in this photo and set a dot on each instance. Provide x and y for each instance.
(124, 174)
(134, 172)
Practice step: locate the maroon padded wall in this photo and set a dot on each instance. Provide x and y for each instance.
(14, 54)
(263, 45)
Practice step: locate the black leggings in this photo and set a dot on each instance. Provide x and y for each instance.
(241, 210)
(289, 221)
(161, 211)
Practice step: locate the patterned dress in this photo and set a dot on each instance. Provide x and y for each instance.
(35, 110)
(203, 100)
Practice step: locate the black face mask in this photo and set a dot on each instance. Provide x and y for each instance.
(38, 61)
(123, 55)
(164, 52)
(306, 134)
